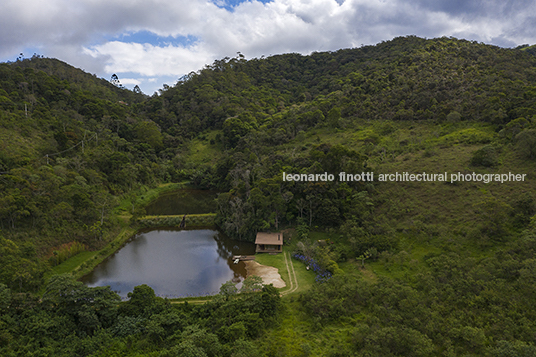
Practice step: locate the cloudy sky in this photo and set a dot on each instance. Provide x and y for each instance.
(152, 42)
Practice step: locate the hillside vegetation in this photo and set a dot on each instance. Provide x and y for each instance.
(436, 268)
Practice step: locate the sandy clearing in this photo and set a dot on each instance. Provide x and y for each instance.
(269, 275)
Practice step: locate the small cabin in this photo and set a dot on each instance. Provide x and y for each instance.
(269, 243)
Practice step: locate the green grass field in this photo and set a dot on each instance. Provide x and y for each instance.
(201, 151)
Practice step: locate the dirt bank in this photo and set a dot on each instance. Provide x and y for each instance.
(269, 275)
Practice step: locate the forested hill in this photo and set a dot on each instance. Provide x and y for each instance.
(78, 155)
(98, 135)
(404, 79)
(70, 144)
(75, 78)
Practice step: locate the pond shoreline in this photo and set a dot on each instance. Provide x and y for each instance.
(129, 227)
(138, 225)
(174, 262)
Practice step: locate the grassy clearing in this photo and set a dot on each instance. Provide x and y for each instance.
(68, 266)
(202, 151)
(298, 335)
(436, 217)
(306, 278)
(387, 140)
(432, 209)
(72, 263)
(291, 337)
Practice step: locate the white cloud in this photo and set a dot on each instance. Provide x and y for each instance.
(149, 60)
(131, 81)
(77, 31)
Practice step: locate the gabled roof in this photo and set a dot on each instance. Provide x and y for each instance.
(269, 238)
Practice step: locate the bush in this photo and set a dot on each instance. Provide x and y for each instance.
(468, 136)
(454, 116)
(486, 157)
(526, 143)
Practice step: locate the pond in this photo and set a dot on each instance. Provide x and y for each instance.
(186, 201)
(175, 263)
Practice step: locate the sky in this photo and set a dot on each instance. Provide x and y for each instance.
(150, 43)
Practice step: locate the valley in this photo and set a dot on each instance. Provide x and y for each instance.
(401, 174)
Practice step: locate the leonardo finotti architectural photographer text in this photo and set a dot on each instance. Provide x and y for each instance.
(406, 177)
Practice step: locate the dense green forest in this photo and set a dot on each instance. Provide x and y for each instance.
(436, 268)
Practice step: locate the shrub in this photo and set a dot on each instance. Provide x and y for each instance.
(468, 136)
(526, 143)
(486, 157)
(454, 116)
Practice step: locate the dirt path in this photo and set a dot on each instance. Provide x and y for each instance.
(291, 274)
(269, 275)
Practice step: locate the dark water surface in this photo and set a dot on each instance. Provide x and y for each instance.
(186, 201)
(175, 263)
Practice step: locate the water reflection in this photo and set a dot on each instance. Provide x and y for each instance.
(175, 263)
